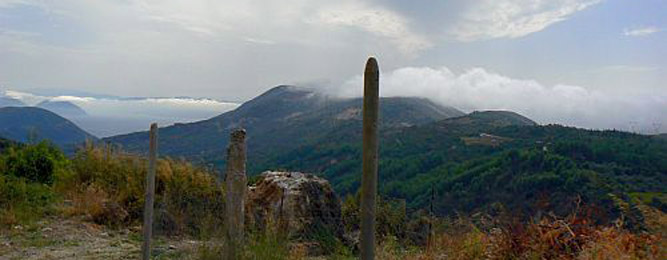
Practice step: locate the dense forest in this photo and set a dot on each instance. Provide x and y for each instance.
(491, 160)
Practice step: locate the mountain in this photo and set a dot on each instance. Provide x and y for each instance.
(281, 119)
(485, 161)
(10, 102)
(25, 123)
(337, 155)
(494, 161)
(62, 108)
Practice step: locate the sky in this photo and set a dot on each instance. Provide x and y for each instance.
(587, 63)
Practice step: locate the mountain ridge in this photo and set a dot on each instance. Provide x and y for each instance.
(25, 123)
(62, 108)
(10, 102)
(277, 119)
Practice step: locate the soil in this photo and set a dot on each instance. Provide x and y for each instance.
(72, 238)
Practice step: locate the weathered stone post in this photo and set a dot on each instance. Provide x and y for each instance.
(150, 193)
(370, 159)
(236, 185)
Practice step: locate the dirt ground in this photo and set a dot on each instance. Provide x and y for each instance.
(58, 238)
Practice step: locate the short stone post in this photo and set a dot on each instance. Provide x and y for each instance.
(150, 194)
(370, 159)
(236, 185)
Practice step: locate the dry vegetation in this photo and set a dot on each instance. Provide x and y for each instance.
(103, 187)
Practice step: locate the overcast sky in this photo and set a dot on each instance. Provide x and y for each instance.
(590, 63)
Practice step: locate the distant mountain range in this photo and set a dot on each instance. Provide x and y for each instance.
(26, 124)
(107, 115)
(62, 108)
(10, 102)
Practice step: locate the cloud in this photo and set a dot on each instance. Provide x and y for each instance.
(490, 19)
(112, 116)
(625, 69)
(640, 32)
(377, 21)
(207, 47)
(479, 89)
(143, 106)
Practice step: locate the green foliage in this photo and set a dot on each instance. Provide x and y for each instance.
(26, 173)
(267, 245)
(391, 216)
(37, 163)
(538, 168)
(23, 201)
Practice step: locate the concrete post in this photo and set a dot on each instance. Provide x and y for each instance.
(150, 193)
(236, 185)
(370, 159)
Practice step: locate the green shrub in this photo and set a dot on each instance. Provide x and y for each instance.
(22, 201)
(26, 175)
(37, 163)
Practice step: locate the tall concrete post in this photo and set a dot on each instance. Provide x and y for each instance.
(370, 159)
(236, 185)
(150, 194)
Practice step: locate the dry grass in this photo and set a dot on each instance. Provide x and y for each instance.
(108, 187)
(550, 238)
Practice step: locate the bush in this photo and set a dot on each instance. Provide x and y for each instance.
(22, 201)
(37, 163)
(105, 183)
(26, 173)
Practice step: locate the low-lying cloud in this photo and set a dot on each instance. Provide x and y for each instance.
(479, 89)
(110, 116)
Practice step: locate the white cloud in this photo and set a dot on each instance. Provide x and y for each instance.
(150, 106)
(639, 32)
(491, 19)
(112, 116)
(478, 89)
(374, 20)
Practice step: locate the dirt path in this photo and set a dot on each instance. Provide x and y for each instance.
(58, 238)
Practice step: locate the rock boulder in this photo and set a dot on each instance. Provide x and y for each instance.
(301, 204)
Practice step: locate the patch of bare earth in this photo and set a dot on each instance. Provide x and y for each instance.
(72, 238)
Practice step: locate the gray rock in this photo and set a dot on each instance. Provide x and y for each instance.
(303, 205)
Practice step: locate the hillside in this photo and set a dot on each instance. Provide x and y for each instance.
(25, 124)
(492, 159)
(473, 162)
(62, 108)
(10, 102)
(281, 119)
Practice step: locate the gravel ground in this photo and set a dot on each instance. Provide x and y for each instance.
(71, 238)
